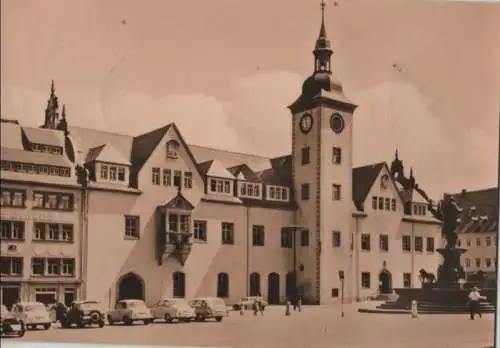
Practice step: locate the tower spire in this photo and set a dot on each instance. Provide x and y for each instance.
(322, 50)
(52, 110)
(322, 31)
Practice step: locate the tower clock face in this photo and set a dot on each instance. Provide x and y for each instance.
(337, 123)
(306, 123)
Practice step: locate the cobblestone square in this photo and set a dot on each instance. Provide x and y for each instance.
(320, 327)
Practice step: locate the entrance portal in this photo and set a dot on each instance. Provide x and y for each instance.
(10, 295)
(130, 287)
(385, 282)
(273, 288)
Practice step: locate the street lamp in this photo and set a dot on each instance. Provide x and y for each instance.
(341, 277)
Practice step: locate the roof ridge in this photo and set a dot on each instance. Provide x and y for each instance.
(234, 152)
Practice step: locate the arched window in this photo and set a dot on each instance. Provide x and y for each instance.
(179, 284)
(223, 285)
(254, 284)
(172, 149)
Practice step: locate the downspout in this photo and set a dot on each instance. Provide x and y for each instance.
(247, 278)
(82, 249)
(413, 253)
(356, 250)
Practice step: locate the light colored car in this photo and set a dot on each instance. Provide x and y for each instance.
(10, 324)
(32, 315)
(128, 311)
(209, 308)
(171, 309)
(248, 302)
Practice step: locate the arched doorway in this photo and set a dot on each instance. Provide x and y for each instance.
(385, 282)
(223, 285)
(179, 284)
(273, 288)
(131, 287)
(254, 284)
(290, 286)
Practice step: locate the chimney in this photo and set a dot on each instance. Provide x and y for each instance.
(464, 191)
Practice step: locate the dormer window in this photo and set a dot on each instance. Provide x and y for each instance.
(278, 193)
(218, 186)
(249, 190)
(111, 173)
(419, 209)
(173, 149)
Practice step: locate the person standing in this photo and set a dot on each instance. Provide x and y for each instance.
(259, 304)
(475, 302)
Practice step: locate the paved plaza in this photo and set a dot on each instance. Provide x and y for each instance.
(319, 327)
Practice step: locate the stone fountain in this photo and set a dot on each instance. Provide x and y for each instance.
(447, 294)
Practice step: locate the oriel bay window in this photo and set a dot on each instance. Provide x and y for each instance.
(178, 225)
(52, 266)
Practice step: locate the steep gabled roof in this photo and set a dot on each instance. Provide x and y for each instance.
(362, 181)
(179, 202)
(480, 210)
(106, 153)
(144, 145)
(217, 169)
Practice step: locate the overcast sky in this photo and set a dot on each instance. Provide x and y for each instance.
(225, 70)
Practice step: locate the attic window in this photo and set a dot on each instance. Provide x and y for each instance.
(172, 149)
(277, 193)
(220, 186)
(250, 190)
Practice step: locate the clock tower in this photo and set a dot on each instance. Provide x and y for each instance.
(322, 175)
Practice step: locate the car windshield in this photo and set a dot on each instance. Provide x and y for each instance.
(88, 305)
(35, 307)
(218, 302)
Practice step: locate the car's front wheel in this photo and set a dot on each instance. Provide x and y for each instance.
(101, 323)
(46, 326)
(219, 319)
(236, 307)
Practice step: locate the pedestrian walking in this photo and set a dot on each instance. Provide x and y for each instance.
(287, 307)
(260, 306)
(255, 306)
(475, 302)
(299, 303)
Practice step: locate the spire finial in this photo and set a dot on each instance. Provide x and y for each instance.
(322, 32)
(411, 172)
(63, 111)
(397, 154)
(52, 88)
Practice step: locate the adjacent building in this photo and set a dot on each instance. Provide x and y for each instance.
(478, 231)
(151, 216)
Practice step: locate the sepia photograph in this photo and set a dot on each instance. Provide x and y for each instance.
(249, 174)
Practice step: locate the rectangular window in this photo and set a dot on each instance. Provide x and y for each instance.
(167, 177)
(430, 244)
(478, 262)
(68, 267)
(286, 238)
(305, 155)
(336, 239)
(132, 226)
(258, 235)
(336, 155)
(277, 193)
(53, 234)
(155, 176)
(468, 243)
(38, 200)
(388, 204)
(227, 233)
(200, 230)
(406, 241)
(39, 233)
(64, 202)
(304, 192)
(121, 174)
(177, 178)
(250, 190)
(365, 280)
(184, 223)
(50, 201)
(407, 280)
(478, 241)
(11, 266)
(37, 266)
(220, 186)
(393, 204)
(419, 244)
(113, 173)
(53, 266)
(188, 180)
(488, 241)
(365, 242)
(384, 242)
(336, 192)
(67, 233)
(104, 172)
(11, 230)
(487, 262)
(381, 203)
(374, 202)
(18, 199)
(304, 238)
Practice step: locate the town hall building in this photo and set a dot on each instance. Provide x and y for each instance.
(103, 216)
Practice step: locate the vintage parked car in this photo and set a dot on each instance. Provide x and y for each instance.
(209, 308)
(83, 313)
(32, 315)
(128, 311)
(248, 302)
(171, 309)
(10, 324)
